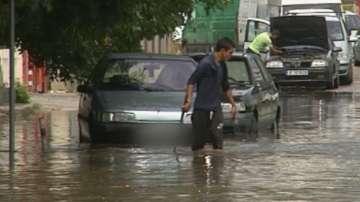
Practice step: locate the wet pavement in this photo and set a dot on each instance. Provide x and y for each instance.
(316, 159)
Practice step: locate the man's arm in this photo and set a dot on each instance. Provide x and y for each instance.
(194, 79)
(188, 98)
(230, 98)
(275, 51)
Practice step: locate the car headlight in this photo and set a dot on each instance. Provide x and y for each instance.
(107, 117)
(319, 63)
(115, 116)
(274, 64)
(343, 58)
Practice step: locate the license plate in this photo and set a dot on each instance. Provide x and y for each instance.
(226, 107)
(297, 72)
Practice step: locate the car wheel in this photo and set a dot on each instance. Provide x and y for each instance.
(83, 136)
(254, 128)
(337, 82)
(94, 133)
(357, 62)
(275, 128)
(331, 84)
(349, 77)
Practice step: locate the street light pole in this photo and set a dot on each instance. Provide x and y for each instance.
(12, 85)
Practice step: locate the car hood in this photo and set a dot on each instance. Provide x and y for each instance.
(139, 100)
(301, 30)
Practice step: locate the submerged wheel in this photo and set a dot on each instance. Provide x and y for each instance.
(349, 77)
(275, 128)
(332, 84)
(253, 132)
(337, 82)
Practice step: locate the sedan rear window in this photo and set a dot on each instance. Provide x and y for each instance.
(151, 74)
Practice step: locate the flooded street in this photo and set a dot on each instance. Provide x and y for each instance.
(316, 159)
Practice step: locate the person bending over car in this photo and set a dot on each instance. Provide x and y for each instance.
(265, 41)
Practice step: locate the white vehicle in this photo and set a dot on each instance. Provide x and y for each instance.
(287, 5)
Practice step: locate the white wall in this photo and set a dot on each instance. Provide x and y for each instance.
(163, 45)
(4, 63)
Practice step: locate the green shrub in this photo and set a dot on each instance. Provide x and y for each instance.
(22, 95)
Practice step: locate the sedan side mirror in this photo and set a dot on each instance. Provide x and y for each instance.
(337, 49)
(257, 88)
(84, 89)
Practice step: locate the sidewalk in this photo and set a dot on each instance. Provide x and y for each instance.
(48, 102)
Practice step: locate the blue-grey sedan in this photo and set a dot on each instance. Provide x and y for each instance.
(136, 98)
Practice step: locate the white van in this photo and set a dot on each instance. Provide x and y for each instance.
(287, 5)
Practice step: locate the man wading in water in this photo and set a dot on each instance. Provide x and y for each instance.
(211, 80)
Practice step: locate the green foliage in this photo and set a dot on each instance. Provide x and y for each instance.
(22, 95)
(71, 35)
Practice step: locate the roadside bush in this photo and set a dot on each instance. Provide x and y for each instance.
(22, 95)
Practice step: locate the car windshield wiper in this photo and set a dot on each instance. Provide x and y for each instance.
(117, 86)
(153, 89)
(303, 49)
(156, 87)
(234, 81)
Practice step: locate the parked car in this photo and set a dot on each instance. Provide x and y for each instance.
(352, 21)
(339, 35)
(309, 54)
(256, 96)
(357, 48)
(136, 98)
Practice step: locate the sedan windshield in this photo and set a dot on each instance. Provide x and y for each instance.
(147, 74)
(237, 71)
(335, 30)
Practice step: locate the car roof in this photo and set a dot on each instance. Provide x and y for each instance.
(333, 19)
(236, 55)
(148, 56)
(297, 2)
(328, 14)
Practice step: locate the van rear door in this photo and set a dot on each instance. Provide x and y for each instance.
(254, 27)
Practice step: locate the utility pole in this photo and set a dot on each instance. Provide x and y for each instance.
(12, 85)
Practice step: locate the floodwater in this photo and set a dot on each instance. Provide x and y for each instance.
(316, 159)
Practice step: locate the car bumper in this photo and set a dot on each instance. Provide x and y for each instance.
(242, 122)
(343, 70)
(143, 132)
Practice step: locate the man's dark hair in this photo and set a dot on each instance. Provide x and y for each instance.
(224, 43)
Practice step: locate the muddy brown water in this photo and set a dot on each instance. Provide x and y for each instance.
(316, 159)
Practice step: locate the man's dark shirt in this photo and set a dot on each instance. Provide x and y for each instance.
(211, 81)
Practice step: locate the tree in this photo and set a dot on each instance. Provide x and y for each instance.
(71, 35)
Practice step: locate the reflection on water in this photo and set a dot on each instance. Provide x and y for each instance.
(316, 159)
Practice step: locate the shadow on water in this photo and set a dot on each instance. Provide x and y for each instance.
(317, 158)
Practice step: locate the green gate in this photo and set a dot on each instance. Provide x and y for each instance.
(205, 28)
